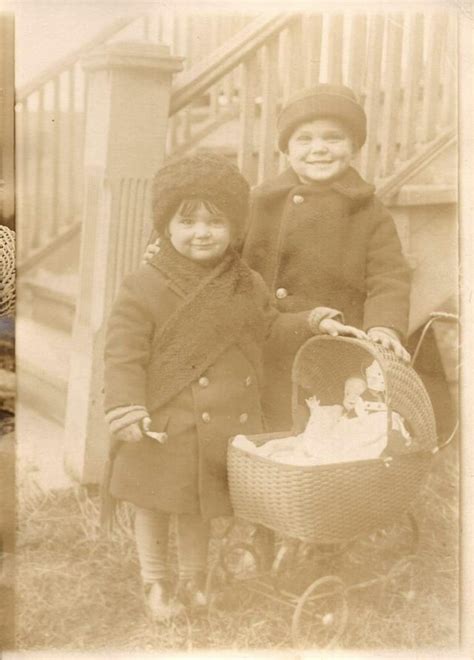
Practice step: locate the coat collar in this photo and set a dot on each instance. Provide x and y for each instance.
(351, 184)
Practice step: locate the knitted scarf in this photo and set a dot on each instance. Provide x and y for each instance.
(217, 310)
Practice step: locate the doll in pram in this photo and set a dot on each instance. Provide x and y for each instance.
(334, 504)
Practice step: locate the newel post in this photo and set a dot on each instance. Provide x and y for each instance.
(125, 135)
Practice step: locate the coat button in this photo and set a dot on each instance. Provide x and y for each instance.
(206, 418)
(243, 418)
(298, 199)
(248, 381)
(203, 381)
(281, 293)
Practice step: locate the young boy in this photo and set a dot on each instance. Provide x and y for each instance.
(318, 234)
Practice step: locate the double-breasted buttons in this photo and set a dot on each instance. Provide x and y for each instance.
(243, 418)
(248, 381)
(203, 381)
(298, 199)
(281, 293)
(206, 418)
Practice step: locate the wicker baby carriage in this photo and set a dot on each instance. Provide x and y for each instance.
(335, 503)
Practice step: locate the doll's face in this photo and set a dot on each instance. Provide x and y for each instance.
(320, 150)
(374, 376)
(353, 388)
(199, 232)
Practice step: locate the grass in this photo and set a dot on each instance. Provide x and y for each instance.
(79, 590)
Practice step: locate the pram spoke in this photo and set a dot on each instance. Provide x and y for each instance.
(321, 614)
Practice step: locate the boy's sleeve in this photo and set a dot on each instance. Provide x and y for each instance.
(387, 276)
(127, 347)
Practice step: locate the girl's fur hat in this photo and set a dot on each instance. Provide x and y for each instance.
(203, 175)
(324, 100)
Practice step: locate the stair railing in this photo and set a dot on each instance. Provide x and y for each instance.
(49, 125)
(402, 65)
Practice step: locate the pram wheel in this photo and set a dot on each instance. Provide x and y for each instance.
(321, 614)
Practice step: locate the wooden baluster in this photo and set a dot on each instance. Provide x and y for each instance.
(430, 110)
(284, 44)
(189, 25)
(411, 88)
(266, 164)
(312, 49)
(372, 100)
(25, 193)
(391, 108)
(56, 189)
(448, 106)
(248, 92)
(38, 204)
(70, 211)
(146, 27)
(214, 90)
(335, 49)
(228, 81)
(357, 54)
(296, 60)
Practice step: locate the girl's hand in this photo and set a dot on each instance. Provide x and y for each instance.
(135, 432)
(150, 251)
(388, 339)
(159, 437)
(335, 328)
(131, 433)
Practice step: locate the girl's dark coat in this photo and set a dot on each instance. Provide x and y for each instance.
(335, 246)
(188, 473)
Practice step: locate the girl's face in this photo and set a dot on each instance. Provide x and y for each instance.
(320, 150)
(199, 232)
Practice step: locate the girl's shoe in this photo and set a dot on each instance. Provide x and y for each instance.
(161, 606)
(192, 592)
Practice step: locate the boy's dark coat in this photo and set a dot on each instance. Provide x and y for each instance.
(334, 246)
(188, 473)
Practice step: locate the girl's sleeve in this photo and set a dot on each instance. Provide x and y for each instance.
(127, 347)
(290, 329)
(387, 276)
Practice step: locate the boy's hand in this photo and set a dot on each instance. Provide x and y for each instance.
(389, 340)
(334, 328)
(150, 251)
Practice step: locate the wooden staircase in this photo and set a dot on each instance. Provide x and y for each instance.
(227, 98)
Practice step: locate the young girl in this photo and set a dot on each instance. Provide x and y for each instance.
(183, 369)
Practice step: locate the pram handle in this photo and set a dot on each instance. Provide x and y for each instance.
(437, 316)
(434, 316)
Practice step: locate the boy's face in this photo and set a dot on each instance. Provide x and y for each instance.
(200, 235)
(320, 150)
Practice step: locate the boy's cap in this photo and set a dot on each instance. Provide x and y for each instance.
(203, 175)
(323, 100)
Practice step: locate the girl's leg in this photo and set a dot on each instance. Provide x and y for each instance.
(193, 541)
(151, 536)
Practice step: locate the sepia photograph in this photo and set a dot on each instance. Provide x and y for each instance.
(289, 181)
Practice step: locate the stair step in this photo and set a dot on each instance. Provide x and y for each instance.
(52, 298)
(43, 355)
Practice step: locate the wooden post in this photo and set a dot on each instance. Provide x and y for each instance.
(125, 135)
